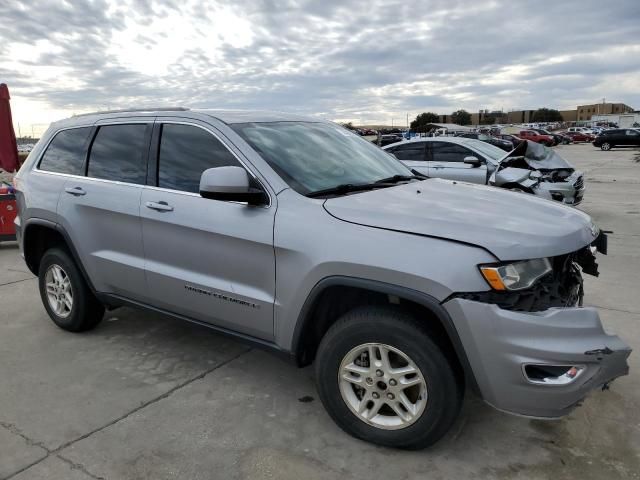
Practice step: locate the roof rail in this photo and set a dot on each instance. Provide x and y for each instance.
(127, 110)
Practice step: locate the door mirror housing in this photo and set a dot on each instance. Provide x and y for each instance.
(230, 184)
(473, 161)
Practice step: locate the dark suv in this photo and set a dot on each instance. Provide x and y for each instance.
(618, 137)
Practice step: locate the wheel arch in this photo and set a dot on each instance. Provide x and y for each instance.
(321, 310)
(39, 235)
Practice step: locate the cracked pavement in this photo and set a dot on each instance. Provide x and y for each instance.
(147, 397)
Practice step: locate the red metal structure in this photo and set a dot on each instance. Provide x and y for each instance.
(8, 145)
(8, 162)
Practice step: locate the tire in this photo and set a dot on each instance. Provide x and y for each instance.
(370, 329)
(58, 276)
(606, 146)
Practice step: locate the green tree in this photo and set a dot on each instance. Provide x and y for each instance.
(546, 115)
(422, 120)
(461, 117)
(348, 126)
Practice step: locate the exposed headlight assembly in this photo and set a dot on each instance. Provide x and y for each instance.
(515, 275)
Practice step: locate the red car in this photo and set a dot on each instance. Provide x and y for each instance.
(8, 211)
(536, 137)
(579, 136)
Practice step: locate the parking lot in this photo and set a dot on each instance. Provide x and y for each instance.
(144, 396)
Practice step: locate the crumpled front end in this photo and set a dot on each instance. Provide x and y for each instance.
(538, 352)
(536, 169)
(562, 185)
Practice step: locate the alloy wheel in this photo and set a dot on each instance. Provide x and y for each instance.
(606, 146)
(382, 386)
(59, 291)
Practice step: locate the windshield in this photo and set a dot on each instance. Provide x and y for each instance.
(316, 156)
(488, 150)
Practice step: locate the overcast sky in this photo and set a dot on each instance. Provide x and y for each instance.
(364, 61)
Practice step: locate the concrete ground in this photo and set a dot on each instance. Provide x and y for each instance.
(146, 397)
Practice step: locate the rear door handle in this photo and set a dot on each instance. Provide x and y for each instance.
(77, 191)
(159, 206)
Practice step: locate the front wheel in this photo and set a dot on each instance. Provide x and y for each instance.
(382, 379)
(606, 146)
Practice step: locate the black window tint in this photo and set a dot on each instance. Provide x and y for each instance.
(186, 152)
(66, 152)
(117, 154)
(410, 151)
(449, 152)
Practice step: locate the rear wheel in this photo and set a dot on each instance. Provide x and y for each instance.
(65, 294)
(383, 379)
(606, 146)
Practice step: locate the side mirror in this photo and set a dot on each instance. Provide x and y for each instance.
(230, 184)
(473, 161)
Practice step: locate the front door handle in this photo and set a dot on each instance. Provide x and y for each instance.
(76, 191)
(159, 206)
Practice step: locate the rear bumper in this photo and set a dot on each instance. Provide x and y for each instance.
(500, 343)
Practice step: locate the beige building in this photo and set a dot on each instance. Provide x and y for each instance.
(585, 112)
(569, 115)
(581, 114)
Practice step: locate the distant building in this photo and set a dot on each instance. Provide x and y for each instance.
(520, 116)
(622, 120)
(569, 115)
(585, 112)
(582, 113)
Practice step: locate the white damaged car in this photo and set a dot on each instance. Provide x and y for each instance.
(530, 167)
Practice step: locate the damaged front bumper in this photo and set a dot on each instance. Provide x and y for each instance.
(539, 364)
(570, 191)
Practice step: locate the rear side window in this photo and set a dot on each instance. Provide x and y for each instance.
(66, 152)
(118, 153)
(410, 151)
(187, 151)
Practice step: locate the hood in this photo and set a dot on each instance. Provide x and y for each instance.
(511, 225)
(537, 156)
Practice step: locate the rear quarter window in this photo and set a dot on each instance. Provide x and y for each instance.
(66, 152)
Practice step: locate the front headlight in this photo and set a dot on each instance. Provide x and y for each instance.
(516, 275)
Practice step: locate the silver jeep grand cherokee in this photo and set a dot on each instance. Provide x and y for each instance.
(301, 237)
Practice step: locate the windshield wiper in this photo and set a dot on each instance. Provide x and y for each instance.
(401, 178)
(345, 188)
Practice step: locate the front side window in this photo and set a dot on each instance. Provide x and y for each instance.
(411, 151)
(66, 152)
(311, 156)
(118, 153)
(187, 151)
(449, 152)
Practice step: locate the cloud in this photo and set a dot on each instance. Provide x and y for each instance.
(338, 59)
